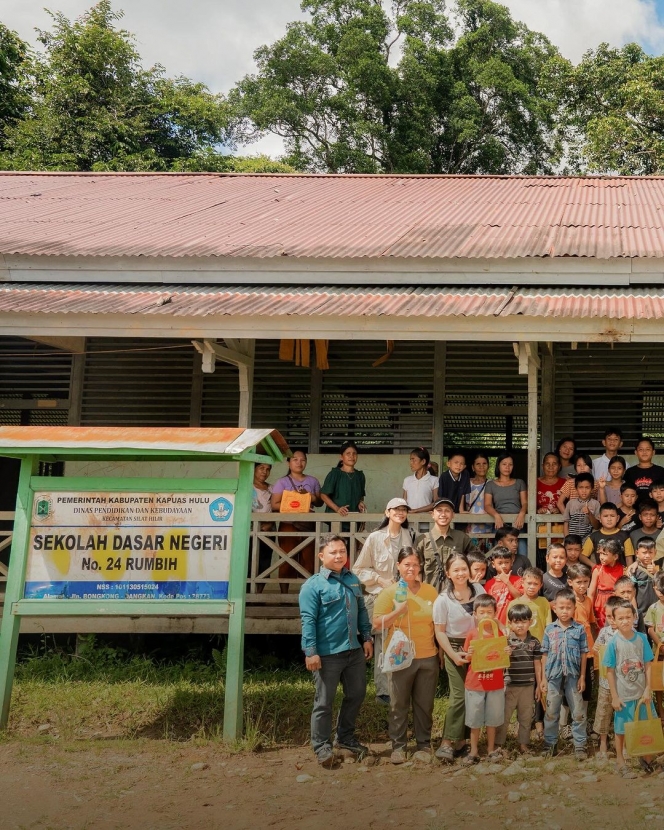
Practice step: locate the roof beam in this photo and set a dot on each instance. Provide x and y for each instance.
(76, 345)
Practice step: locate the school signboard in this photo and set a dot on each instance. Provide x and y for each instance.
(129, 545)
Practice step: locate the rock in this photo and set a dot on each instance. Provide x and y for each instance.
(532, 759)
(43, 727)
(550, 766)
(349, 760)
(546, 786)
(491, 803)
(364, 769)
(369, 761)
(430, 812)
(588, 778)
(564, 777)
(514, 769)
(524, 786)
(514, 796)
(407, 764)
(198, 766)
(304, 778)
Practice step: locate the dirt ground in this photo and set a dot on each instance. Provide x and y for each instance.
(159, 785)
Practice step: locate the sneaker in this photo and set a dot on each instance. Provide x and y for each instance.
(580, 754)
(445, 754)
(422, 755)
(383, 700)
(354, 746)
(398, 756)
(565, 733)
(550, 751)
(325, 757)
(626, 772)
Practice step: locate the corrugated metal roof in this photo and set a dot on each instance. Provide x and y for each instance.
(266, 216)
(272, 301)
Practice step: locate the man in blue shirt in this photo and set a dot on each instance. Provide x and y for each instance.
(336, 640)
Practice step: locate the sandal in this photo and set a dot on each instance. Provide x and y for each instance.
(496, 755)
(462, 751)
(445, 754)
(626, 772)
(470, 760)
(646, 766)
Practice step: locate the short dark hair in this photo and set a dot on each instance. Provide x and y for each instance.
(648, 504)
(503, 532)
(565, 594)
(519, 613)
(476, 556)
(611, 546)
(581, 478)
(556, 546)
(608, 507)
(611, 603)
(536, 573)
(577, 570)
(484, 601)
(645, 542)
(659, 581)
(587, 460)
(624, 580)
(572, 539)
(628, 486)
(327, 539)
(613, 431)
(625, 604)
(410, 551)
(642, 439)
(499, 552)
(454, 453)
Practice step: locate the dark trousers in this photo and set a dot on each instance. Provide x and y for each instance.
(417, 685)
(349, 668)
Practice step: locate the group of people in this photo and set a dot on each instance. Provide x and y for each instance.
(585, 626)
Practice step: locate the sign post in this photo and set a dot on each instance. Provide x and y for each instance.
(132, 546)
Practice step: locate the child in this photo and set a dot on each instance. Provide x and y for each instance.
(455, 481)
(625, 589)
(628, 659)
(608, 519)
(605, 575)
(581, 512)
(578, 577)
(612, 443)
(604, 710)
(565, 653)
(525, 669)
(344, 488)
(609, 485)
(555, 578)
(582, 464)
(645, 472)
(642, 573)
(478, 566)
(657, 495)
(655, 626)
(648, 518)
(504, 586)
(629, 517)
(419, 489)
(508, 537)
(573, 547)
(485, 691)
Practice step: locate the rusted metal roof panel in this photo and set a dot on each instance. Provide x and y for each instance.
(251, 216)
(272, 301)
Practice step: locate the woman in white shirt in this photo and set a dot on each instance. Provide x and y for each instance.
(420, 489)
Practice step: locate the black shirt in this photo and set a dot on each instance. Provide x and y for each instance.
(452, 489)
(643, 478)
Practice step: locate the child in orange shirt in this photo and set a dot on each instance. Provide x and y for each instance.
(578, 577)
(605, 575)
(504, 587)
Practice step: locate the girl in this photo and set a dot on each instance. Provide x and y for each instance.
(566, 450)
(609, 489)
(582, 464)
(376, 568)
(262, 503)
(474, 501)
(454, 620)
(605, 575)
(415, 685)
(419, 489)
(301, 483)
(343, 490)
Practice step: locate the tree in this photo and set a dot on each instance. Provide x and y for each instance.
(14, 80)
(358, 89)
(96, 108)
(614, 110)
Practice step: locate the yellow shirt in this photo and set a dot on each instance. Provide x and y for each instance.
(541, 614)
(420, 617)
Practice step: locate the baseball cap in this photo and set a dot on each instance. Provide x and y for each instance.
(448, 502)
(392, 503)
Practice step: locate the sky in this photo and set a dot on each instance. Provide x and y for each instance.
(213, 40)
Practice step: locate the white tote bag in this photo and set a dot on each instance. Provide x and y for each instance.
(399, 654)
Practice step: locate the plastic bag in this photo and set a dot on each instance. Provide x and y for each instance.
(399, 654)
(644, 736)
(489, 653)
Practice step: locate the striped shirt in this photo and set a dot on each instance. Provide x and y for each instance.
(522, 661)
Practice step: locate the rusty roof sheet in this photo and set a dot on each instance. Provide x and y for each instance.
(263, 216)
(342, 301)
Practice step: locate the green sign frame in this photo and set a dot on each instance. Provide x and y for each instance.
(17, 606)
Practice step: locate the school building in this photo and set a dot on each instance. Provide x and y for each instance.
(445, 311)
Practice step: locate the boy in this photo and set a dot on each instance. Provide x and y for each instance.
(648, 518)
(625, 589)
(441, 541)
(581, 512)
(539, 606)
(455, 481)
(604, 710)
(573, 547)
(504, 587)
(657, 495)
(478, 566)
(612, 443)
(642, 573)
(645, 473)
(608, 519)
(555, 578)
(629, 517)
(336, 640)
(508, 537)
(525, 669)
(578, 577)
(485, 691)
(655, 626)
(565, 654)
(628, 659)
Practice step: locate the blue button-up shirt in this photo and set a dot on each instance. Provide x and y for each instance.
(334, 617)
(563, 648)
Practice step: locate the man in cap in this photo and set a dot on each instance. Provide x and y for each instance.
(440, 542)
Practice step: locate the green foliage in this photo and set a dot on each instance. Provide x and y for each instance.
(358, 89)
(614, 110)
(96, 108)
(15, 89)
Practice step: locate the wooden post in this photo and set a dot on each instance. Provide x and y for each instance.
(196, 399)
(548, 402)
(532, 452)
(246, 384)
(11, 622)
(76, 389)
(439, 380)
